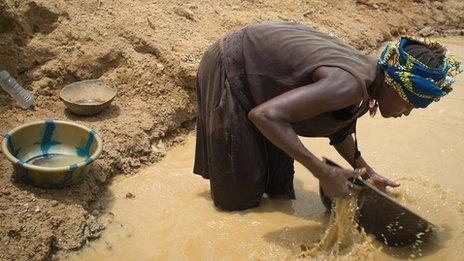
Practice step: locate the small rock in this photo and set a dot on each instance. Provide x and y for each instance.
(119, 164)
(426, 31)
(394, 31)
(402, 30)
(365, 2)
(217, 10)
(37, 210)
(185, 13)
(130, 195)
(160, 66)
(151, 24)
(146, 125)
(303, 247)
(14, 234)
(308, 13)
(438, 5)
(101, 179)
(161, 145)
(108, 246)
(95, 212)
(45, 92)
(135, 163)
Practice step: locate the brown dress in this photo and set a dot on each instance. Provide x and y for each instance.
(245, 69)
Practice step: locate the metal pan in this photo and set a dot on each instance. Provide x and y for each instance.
(87, 97)
(384, 217)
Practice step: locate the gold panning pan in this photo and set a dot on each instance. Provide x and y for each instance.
(87, 97)
(385, 218)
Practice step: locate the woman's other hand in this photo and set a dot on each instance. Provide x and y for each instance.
(379, 181)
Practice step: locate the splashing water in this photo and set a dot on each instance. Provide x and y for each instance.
(343, 239)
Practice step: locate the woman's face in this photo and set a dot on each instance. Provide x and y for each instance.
(391, 104)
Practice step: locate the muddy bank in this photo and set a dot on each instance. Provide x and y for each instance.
(148, 51)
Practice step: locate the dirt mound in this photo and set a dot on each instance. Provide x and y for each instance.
(148, 51)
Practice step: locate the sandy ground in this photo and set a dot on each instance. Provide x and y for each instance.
(148, 51)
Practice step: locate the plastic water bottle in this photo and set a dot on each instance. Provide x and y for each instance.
(24, 98)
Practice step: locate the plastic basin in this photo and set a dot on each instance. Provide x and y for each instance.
(51, 154)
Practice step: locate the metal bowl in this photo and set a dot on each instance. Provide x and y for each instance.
(87, 97)
(381, 215)
(51, 154)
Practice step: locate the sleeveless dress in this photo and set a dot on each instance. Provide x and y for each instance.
(245, 69)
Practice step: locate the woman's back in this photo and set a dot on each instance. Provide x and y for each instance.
(281, 56)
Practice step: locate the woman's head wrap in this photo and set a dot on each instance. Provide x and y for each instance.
(415, 82)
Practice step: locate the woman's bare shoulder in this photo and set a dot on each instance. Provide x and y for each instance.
(339, 82)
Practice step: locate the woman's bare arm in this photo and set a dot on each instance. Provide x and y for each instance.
(346, 149)
(332, 90)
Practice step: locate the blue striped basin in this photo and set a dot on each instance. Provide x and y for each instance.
(51, 154)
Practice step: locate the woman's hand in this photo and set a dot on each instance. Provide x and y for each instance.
(379, 181)
(333, 180)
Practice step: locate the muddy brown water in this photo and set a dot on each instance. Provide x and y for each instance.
(89, 101)
(172, 216)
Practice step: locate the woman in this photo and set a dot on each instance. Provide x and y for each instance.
(262, 86)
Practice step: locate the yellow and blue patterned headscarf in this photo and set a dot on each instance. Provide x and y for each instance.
(414, 81)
